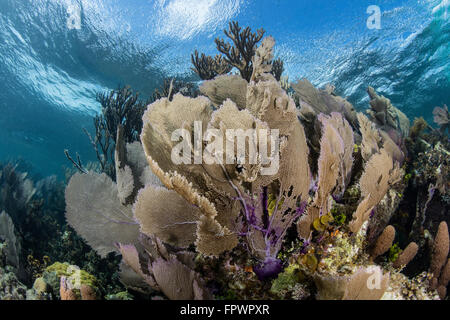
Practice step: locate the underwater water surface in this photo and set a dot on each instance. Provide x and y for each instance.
(51, 73)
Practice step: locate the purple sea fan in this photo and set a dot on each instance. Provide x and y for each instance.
(267, 220)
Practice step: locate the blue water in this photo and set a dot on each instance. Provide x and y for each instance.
(50, 73)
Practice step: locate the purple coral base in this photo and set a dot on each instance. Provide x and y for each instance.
(269, 269)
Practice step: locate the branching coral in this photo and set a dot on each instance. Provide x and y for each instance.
(171, 87)
(239, 55)
(120, 107)
(207, 67)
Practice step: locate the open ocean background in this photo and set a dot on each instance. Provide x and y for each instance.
(49, 73)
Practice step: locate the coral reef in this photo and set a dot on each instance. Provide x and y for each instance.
(323, 226)
(403, 288)
(313, 102)
(323, 202)
(35, 232)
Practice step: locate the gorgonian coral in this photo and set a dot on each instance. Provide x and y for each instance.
(240, 55)
(180, 199)
(233, 198)
(7, 234)
(442, 117)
